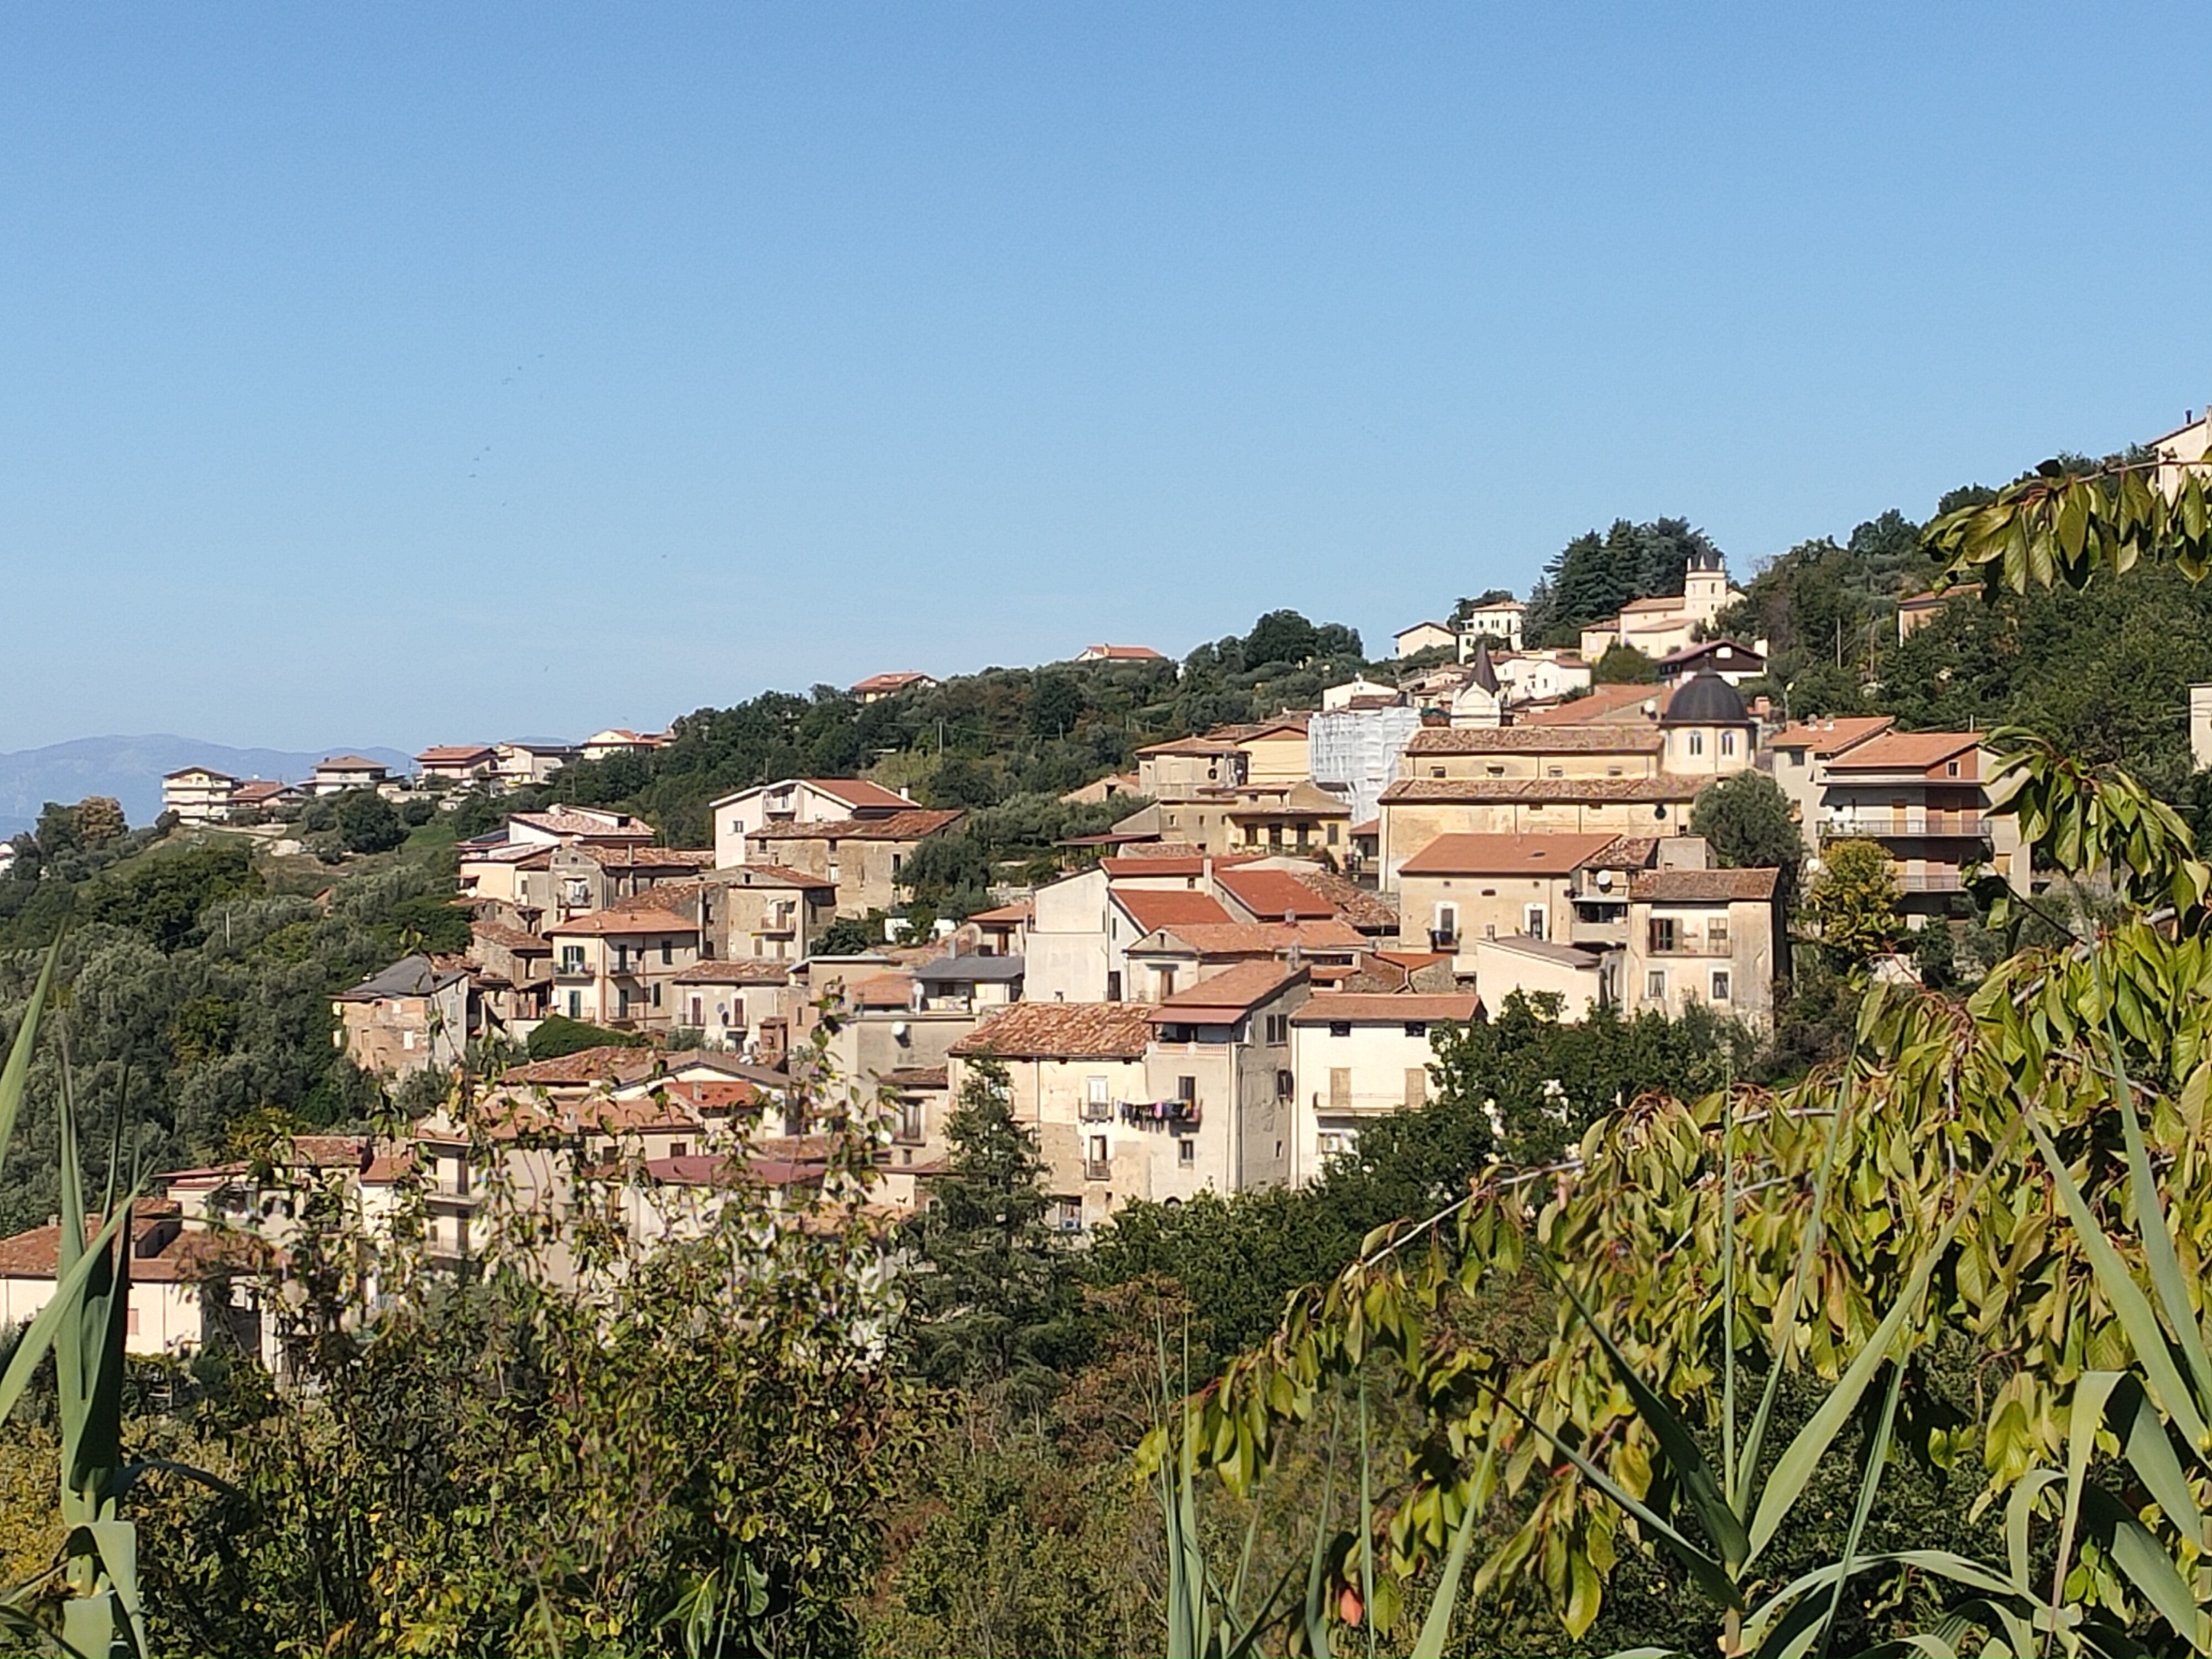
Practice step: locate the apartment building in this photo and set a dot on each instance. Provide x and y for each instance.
(618, 967)
(1220, 1084)
(1357, 1056)
(863, 857)
(1923, 796)
(1716, 937)
(795, 801)
(765, 911)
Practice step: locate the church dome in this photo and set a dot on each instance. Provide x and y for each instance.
(1706, 699)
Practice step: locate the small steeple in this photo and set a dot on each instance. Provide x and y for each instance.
(1485, 675)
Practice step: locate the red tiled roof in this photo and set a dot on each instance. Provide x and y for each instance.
(585, 1066)
(738, 972)
(1536, 739)
(912, 825)
(600, 924)
(1244, 938)
(1061, 1030)
(630, 857)
(1371, 1007)
(1151, 911)
(1665, 787)
(1506, 855)
(1909, 751)
(1233, 992)
(453, 753)
(1832, 735)
(891, 682)
(859, 793)
(1150, 861)
(510, 939)
(1272, 894)
(1702, 886)
(777, 875)
(882, 990)
(1604, 703)
(1007, 913)
(349, 764)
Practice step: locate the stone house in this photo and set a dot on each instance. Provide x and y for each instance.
(1357, 1056)
(416, 1013)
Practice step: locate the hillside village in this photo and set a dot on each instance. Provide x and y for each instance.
(1236, 963)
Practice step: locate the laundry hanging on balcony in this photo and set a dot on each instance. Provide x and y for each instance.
(1161, 1114)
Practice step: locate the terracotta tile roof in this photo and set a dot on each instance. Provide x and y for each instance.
(585, 1066)
(891, 682)
(738, 972)
(1911, 751)
(1665, 787)
(1025, 911)
(882, 990)
(909, 825)
(1295, 800)
(1179, 858)
(916, 1077)
(1061, 1030)
(1369, 1007)
(632, 857)
(1123, 652)
(1708, 647)
(660, 895)
(1151, 911)
(1536, 739)
(1369, 912)
(600, 924)
(1624, 704)
(510, 939)
(1371, 827)
(1244, 938)
(584, 824)
(1506, 855)
(1823, 738)
(771, 875)
(183, 1257)
(1658, 604)
(1704, 886)
(860, 793)
(257, 790)
(1274, 895)
(347, 763)
(1210, 744)
(1233, 992)
(718, 1095)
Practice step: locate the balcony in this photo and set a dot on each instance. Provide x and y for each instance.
(1098, 1111)
(1932, 881)
(1690, 947)
(579, 972)
(1443, 940)
(1097, 1169)
(1911, 821)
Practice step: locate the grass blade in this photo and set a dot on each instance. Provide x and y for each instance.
(38, 1336)
(1435, 1628)
(2129, 1305)
(1785, 1316)
(15, 1075)
(2138, 1554)
(2150, 1454)
(1794, 1468)
(1316, 1610)
(2091, 1390)
(1721, 1523)
(1877, 1461)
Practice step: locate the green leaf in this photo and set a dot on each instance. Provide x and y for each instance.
(1795, 1466)
(1877, 1461)
(40, 1334)
(2091, 1390)
(2137, 1553)
(2129, 1305)
(1701, 1486)
(2149, 1450)
(1436, 1628)
(16, 1073)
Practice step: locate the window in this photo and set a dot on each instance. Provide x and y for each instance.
(1071, 1215)
(1286, 1085)
(1950, 768)
(1098, 1149)
(1436, 771)
(1095, 1090)
(895, 862)
(1417, 1028)
(1186, 1089)
(656, 993)
(678, 1148)
(1178, 1034)
(1495, 771)
(1113, 986)
(1728, 743)
(575, 1004)
(1717, 935)
(1532, 920)
(1185, 1153)
(1662, 934)
(1340, 1028)
(1697, 743)
(1279, 1028)
(1555, 772)
(1720, 985)
(1447, 927)
(1654, 985)
(572, 959)
(668, 953)
(1332, 834)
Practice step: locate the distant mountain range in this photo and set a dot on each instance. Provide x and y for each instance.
(132, 769)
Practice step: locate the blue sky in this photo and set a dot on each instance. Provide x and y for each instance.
(400, 374)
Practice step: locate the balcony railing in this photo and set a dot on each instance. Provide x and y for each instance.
(1692, 947)
(577, 970)
(1098, 1111)
(1097, 1169)
(1443, 940)
(1932, 881)
(1913, 821)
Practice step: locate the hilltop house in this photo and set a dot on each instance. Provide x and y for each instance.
(198, 794)
(1664, 624)
(790, 802)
